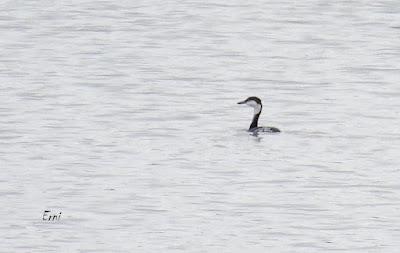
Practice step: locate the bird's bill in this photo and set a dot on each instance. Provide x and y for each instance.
(242, 102)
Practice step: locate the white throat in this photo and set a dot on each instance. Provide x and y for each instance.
(257, 109)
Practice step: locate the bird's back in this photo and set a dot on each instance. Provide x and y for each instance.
(264, 130)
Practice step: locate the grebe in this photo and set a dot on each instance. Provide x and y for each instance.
(255, 102)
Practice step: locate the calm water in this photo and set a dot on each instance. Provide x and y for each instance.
(122, 115)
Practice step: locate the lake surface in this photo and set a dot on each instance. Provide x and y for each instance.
(122, 116)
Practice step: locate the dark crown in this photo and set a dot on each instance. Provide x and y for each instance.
(256, 99)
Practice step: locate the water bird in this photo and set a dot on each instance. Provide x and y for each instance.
(255, 102)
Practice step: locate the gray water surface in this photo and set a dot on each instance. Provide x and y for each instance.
(122, 115)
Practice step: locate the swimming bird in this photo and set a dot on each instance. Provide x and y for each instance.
(255, 102)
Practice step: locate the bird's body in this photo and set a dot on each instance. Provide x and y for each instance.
(264, 130)
(255, 102)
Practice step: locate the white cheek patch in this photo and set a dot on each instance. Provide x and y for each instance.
(257, 107)
(251, 103)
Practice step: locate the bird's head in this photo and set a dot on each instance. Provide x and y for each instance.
(254, 102)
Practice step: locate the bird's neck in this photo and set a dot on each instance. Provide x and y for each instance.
(257, 112)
